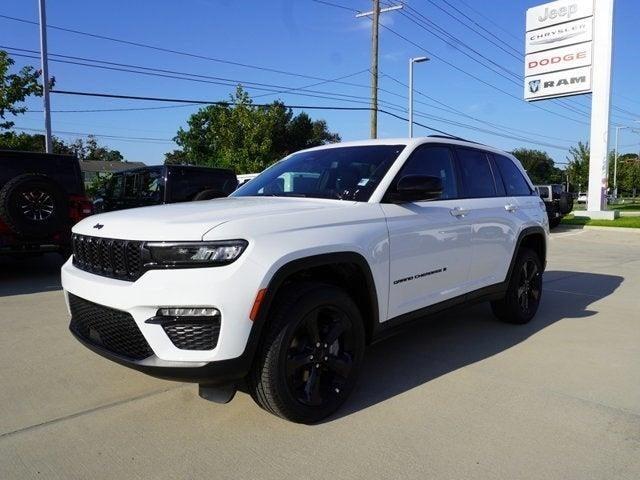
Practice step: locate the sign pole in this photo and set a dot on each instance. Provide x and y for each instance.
(600, 110)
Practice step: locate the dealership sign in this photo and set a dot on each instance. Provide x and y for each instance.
(559, 50)
(559, 35)
(574, 56)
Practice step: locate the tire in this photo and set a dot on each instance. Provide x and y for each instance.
(209, 195)
(33, 206)
(566, 203)
(554, 222)
(513, 308)
(296, 375)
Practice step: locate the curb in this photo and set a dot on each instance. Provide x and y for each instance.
(598, 227)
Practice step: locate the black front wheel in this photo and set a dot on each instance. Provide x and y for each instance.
(311, 355)
(524, 292)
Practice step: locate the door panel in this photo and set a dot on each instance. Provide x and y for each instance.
(429, 241)
(429, 254)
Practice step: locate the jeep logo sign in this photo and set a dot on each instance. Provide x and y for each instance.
(558, 12)
(558, 84)
(575, 56)
(559, 49)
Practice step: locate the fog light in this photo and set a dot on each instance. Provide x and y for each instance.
(189, 312)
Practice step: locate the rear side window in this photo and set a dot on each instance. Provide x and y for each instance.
(187, 182)
(514, 181)
(434, 161)
(476, 173)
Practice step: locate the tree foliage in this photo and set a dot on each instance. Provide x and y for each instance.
(88, 149)
(539, 165)
(15, 88)
(246, 137)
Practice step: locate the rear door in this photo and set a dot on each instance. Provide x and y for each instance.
(493, 215)
(429, 241)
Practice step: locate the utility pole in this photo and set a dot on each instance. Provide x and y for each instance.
(45, 77)
(375, 27)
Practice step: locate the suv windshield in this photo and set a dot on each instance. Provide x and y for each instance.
(342, 173)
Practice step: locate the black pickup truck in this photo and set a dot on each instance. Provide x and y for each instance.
(558, 202)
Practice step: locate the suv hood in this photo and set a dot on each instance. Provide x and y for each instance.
(192, 220)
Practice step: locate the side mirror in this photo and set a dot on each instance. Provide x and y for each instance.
(413, 188)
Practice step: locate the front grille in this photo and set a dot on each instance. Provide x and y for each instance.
(121, 259)
(104, 327)
(193, 336)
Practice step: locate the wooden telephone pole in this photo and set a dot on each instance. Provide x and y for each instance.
(375, 27)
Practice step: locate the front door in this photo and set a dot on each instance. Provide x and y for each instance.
(429, 241)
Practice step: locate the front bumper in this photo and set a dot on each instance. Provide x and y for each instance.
(225, 288)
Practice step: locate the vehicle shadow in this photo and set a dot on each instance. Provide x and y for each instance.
(23, 275)
(444, 343)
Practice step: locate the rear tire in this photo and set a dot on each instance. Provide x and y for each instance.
(524, 292)
(311, 355)
(554, 222)
(33, 206)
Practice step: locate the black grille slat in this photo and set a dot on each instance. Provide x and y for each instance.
(121, 259)
(193, 336)
(108, 328)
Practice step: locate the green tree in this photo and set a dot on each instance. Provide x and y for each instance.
(31, 143)
(15, 88)
(578, 168)
(175, 157)
(246, 137)
(539, 165)
(89, 149)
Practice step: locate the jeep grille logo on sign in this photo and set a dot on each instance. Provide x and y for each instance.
(559, 50)
(558, 83)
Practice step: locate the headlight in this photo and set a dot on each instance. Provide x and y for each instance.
(195, 254)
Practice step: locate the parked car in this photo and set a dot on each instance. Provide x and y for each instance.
(280, 286)
(41, 197)
(557, 202)
(245, 177)
(141, 187)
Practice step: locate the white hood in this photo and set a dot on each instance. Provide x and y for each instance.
(191, 220)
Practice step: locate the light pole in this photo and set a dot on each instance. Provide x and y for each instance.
(45, 77)
(411, 62)
(615, 163)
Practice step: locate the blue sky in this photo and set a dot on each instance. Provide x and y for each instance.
(314, 40)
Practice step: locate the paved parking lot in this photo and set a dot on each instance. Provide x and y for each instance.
(459, 396)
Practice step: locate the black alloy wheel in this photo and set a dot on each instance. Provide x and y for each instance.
(524, 291)
(36, 205)
(530, 287)
(311, 354)
(320, 356)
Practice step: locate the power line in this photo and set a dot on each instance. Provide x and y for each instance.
(113, 137)
(335, 5)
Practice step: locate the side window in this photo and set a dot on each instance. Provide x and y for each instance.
(434, 161)
(514, 182)
(476, 173)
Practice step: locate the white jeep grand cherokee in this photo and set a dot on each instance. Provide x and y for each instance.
(279, 287)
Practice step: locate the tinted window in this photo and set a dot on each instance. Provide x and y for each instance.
(476, 174)
(341, 173)
(514, 181)
(435, 162)
(187, 182)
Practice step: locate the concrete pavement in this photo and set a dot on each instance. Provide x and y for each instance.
(458, 396)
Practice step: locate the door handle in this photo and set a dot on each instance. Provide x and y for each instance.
(458, 212)
(510, 207)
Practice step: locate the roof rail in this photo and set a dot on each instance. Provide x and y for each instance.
(452, 137)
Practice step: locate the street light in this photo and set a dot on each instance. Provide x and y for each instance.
(615, 159)
(411, 62)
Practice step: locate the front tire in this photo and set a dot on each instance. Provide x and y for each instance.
(524, 292)
(311, 355)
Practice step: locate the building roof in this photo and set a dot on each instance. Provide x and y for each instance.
(102, 166)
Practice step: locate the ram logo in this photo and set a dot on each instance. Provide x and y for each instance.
(534, 86)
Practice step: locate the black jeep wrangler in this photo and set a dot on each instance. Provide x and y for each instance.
(141, 187)
(558, 202)
(41, 197)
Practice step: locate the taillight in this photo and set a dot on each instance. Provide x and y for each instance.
(79, 207)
